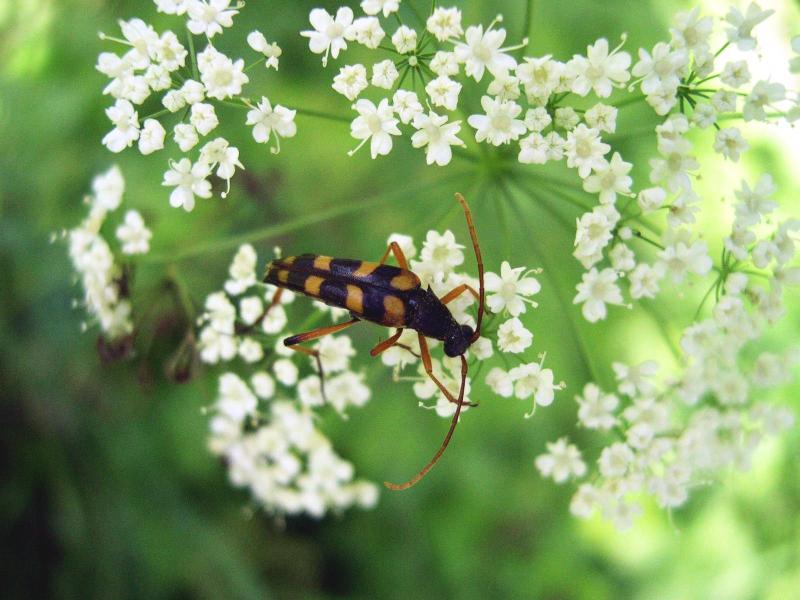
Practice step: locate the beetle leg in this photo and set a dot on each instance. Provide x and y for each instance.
(443, 447)
(293, 343)
(428, 364)
(395, 249)
(386, 344)
(457, 291)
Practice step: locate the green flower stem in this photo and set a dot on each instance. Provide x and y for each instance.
(255, 63)
(193, 55)
(322, 115)
(646, 239)
(181, 291)
(526, 33)
(629, 100)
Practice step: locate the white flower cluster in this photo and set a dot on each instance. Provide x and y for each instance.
(681, 74)
(195, 85)
(685, 429)
(100, 273)
(264, 426)
(520, 104)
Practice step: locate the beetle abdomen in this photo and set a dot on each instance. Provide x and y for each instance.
(372, 291)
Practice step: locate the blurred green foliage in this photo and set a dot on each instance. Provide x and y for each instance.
(108, 490)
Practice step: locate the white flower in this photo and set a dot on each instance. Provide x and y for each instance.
(151, 137)
(335, 353)
(500, 382)
(263, 385)
(510, 290)
(406, 243)
(250, 350)
(108, 189)
(504, 87)
(644, 280)
(513, 337)
(735, 74)
(236, 401)
(250, 309)
(755, 203)
(602, 117)
(173, 101)
(441, 251)
(329, 33)
(681, 256)
(189, 181)
(271, 51)
(599, 70)
(691, 31)
(615, 459)
(172, 7)
(651, 199)
(499, 125)
(368, 32)
(373, 7)
(761, 96)
(242, 270)
(730, 143)
(216, 346)
(185, 136)
(266, 121)
(724, 101)
(540, 77)
(585, 150)
(222, 155)
(741, 32)
(375, 124)
(220, 313)
(285, 371)
(406, 105)
(143, 40)
(533, 150)
(133, 234)
(126, 126)
(704, 116)
(662, 70)
(481, 51)
(596, 408)
(351, 81)
(622, 258)
(532, 380)
(537, 119)
(593, 233)
(404, 39)
(208, 17)
(193, 91)
(443, 92)
(595, 291)
(222, 77)
(585, 500)
(444, 63)
(384, 74)
(636, 378)
(610, 180)
(438, 135)
(204, 118)
(567, 118)
(562, 461)
(445, 23)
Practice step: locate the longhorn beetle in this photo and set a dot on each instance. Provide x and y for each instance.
(389, 296)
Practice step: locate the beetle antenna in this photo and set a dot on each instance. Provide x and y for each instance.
(479, 258)
(437, 456)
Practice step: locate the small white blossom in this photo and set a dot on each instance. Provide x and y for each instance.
(510, 290)
(329, 33)
(482, 51)
(189, 180)
(500, 124)
(267, 121)
(512, 337)
(445, 23)
(437, 135)
(375, 124)
(562, 461)
(133, 234)
(404, 39)
(595, 291)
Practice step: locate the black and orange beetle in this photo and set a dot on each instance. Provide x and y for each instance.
(389, 296)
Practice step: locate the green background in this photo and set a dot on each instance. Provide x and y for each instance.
(108, 490)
